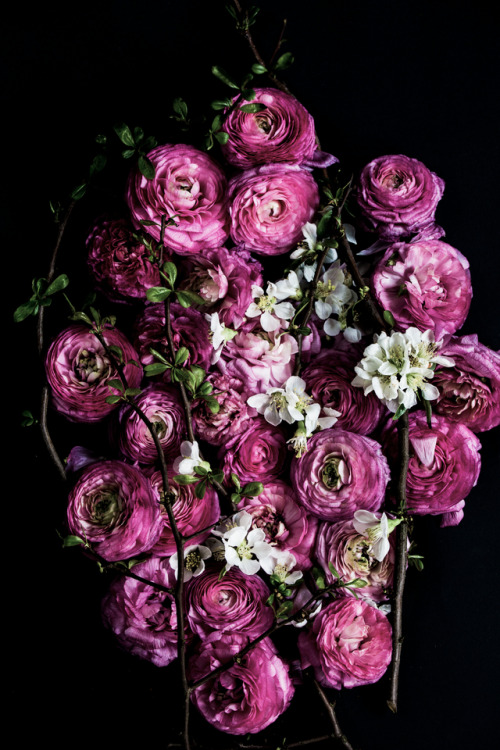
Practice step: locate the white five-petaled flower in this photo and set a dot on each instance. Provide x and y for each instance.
(310, 243)
(220, 335)
(244, 547)
(375, 529)
(189, 459)
(333, 297)
(288, 403)
(280, 563)
(194, 560)
(312, 420)
(270, 306)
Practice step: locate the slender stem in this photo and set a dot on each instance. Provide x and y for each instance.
(56, 459)
(185, 399)
(128, 573)
(360, 282)
(288, 746)
(330, 707)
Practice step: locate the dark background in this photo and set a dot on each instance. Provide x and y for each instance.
(419, 78)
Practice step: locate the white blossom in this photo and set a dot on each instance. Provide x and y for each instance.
(280, 563)
(244, 547)
(375, 529)
(194, 560)
(270, 307)
(220, 335)
(189, 459)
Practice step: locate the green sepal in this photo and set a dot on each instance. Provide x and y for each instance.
(236, 498)
(389, 318)
(270, 600)
(218, 104)
(401, 410)
(128, 153)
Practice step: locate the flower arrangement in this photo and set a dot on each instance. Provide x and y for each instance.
(270, 425)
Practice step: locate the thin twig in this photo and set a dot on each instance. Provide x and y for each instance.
(330, 707)
(54, 455)
(288, 745)
(185, 399)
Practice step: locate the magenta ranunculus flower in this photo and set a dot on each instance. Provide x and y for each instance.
(469, 392)
(270, 205)
(79, 369)
(246, 697)
(119, 263)
(341, 472)
(349, 644)
(235, 603)
(188, 187)
(143, 618)
(233, 416)
(351, 555)
(424, 284)
(282, 131)
(112, 506)
(398, 196)
(161, 404)
(444, 463)
(256, 455)
(191, 513)
(284, 521)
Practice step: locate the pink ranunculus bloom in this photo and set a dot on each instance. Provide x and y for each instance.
(119, 263)
(352, 556)
(349, 644)
(246, 697)
(469, 392)
(341, 472)
(224, 279)
(113, 508)
(143, 618)
(256, 455)
(233, 416)
(424, 284)
(283, 131)
(270, 205)
(191, 513)
(398, 196)
(284, 521)
(235, 603)
(162, 406)
(444, 463)
(79, 369)
(188, 187)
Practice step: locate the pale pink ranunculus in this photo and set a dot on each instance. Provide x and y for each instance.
(424, 284)
(349, 644)
(189, 188)
(78, 370)
(270, 205)
(256, 455)
(282, 131)
(247, 696)
(233, 416)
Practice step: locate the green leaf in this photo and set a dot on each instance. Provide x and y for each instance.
(205, 389)
(200, 489)
(133, 391)
(258, 69)
(401, 410)
(138, 135)
(285, 609)
(124, 134)
(236, 498)
(324, 224)
(252, 489)
(72, 541)
(27, 419)
(116, 384)
(270, 600)
(212, 404)
(95, 314)
(98, 163)
(217, 476)
(180, 107)
(357, 583)
(146, 167)
(185, 479)
(248, 94)
(183, 299)
(148, 223)
(193, 298)
(304, 331)
(57, 285)
(79, 191)
(198, 375)
(170, 270)
(319, 578)
(158, 293)
(116, 351)
(181, 355)
(24, 311)
(252, 107)
(221, 74)
(200, 471)
(284, 61)
(128, 153)
(389, 318)
(333, 571)
(113, 399)
(428, 412)
(80, 315)
(235, 481)
(156, 368)
(221, 137)
(101, 140)
(221, 103)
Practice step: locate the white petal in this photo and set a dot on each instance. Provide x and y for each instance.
(284, 310)
(269, 322)
(249, 567)
(259, 401)
(323, 309)
(331, 327)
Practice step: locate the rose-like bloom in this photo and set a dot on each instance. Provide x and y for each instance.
(270, 205)
(191, 513)
(234, 604)
(189, 188)
(112, 507)
(469, 392)
(246, 697)
(352, 555)
(189, 329)
(119, 263)
(398, 196)
(224, 279)
(256, 455)
(162, 406)
(349, 644)
(444, 463)
(79, 369)
(283, 131)
(234, 413)
(340, 473)
(424, 284)
(143, 618)
(285, 523)
(328, 378)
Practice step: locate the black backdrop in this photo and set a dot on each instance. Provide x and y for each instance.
(419, 78)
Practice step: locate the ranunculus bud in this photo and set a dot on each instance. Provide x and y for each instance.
(113, 508)
(79, 369)
(256, 455)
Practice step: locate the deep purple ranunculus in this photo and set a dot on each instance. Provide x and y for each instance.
(256, 455)
(398, 196)
(191, 513)
(328, 380)
(189, 188)
(233, 416)
(270, 205)
(469, 392)
(424, 284)
(79, 369)
(112, 507)
(161, 404)
(349, 644)
(247, 696)
(341, 472)
(235, 603)
(352, 556)
(144, 618)
(282, 131)
(119, 263)
(444, 463)
(284, 521)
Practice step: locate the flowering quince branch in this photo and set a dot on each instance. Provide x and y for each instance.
(330, 707)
